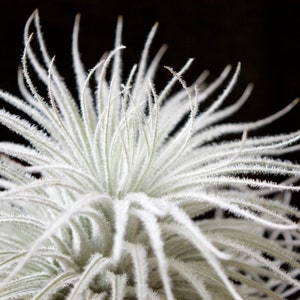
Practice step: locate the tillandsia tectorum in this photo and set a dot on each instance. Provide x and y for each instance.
(113, 200)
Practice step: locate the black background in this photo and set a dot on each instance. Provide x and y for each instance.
(262, 35)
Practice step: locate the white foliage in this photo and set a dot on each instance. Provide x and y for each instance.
(127, 203)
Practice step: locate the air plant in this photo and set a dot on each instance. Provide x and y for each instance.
(112, 199)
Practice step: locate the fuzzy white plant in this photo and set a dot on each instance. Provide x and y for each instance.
(113, 200)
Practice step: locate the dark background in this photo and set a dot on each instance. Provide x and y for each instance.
(262, 35)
